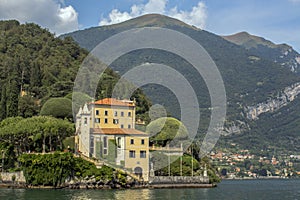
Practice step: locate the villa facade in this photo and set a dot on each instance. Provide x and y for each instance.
(105, 129)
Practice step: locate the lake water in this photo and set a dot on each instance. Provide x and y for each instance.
(229, 189)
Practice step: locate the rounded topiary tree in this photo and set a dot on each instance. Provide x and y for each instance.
(166, 129)
(57, 107)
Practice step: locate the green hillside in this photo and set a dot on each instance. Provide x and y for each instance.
(36, 66)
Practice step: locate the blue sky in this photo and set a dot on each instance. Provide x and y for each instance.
(276, 20)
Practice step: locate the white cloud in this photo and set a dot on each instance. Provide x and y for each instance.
(51, 14)
(197, 16)
(155, 6)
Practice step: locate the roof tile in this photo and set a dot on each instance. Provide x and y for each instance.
(117, 131)
(115, 102)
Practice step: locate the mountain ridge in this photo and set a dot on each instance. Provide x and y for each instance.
(283, 54)
(243, 38)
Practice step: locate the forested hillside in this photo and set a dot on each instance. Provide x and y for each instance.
(34, 62)
(36, 66)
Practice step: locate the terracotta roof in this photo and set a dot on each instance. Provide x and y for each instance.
(117, 131)
(115, 102)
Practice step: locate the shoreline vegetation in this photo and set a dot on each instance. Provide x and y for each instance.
(64, 170)
(42, 149)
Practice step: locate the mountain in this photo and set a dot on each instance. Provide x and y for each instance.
(90, 37)
(251, 75)
(283, 54)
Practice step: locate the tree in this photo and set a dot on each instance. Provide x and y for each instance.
(35, 59)
(27, 106)
(224, 172)
(32, 134)
(57, 107)
(3, 103)
(35, 75)
(12, 96)
(166, 129)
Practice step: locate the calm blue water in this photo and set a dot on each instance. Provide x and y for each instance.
(230, 189)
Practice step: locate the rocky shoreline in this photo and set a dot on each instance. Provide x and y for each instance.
(19, 181)
(109, 185)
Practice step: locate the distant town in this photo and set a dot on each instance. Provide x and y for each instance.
(241, 164)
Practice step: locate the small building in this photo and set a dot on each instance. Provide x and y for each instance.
(105, 130)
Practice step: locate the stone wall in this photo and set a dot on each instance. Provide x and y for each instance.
(7, 177)
(178, 180)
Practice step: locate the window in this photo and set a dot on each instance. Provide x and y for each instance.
(119, 142)
(97, 120)
(115, 113)
(131, 141)
(115, 121)
(142, 141)
(129, 114)
(105, 152)
(85, 120)
(131, 154)
(122, 126)
(91, 144)
(106, 113)
(129, 126)
(122, 114)
(97, 112)
(142, 154)
(105, 120)
(105, 142)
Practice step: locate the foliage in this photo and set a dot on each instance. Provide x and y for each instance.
(48, 169)
(7, 155)
(160, 163)
(32, 59)
(36, 63)
(57, 107)
(211, 170)
(38, 133)
(28, 106)
(164, 130)
(13, 178)
(69, 142)
(186, 163)
(83, 169)
(112, 154)
(54, 169)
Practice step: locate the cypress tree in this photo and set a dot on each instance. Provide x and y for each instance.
(35, 75)
(3, 103)
(12, 97)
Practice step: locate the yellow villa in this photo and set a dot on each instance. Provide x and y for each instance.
(105, 129)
